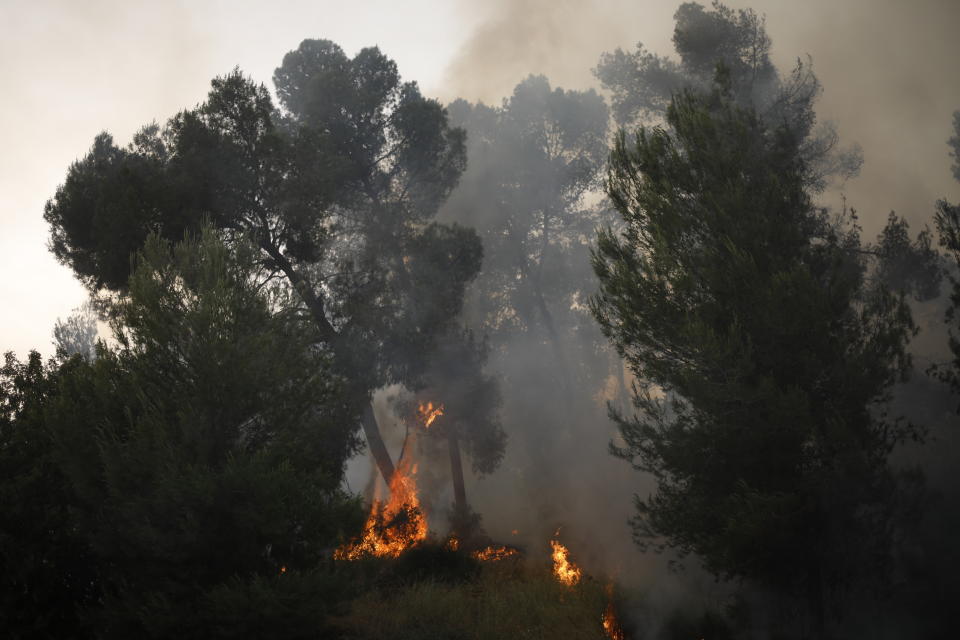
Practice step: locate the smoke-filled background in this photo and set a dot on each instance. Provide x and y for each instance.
(881, 63)
(73, 70)
(888, 71)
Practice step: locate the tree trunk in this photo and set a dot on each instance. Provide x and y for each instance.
(375, 441)
(456, 471)
(315, 305)
(566, 385)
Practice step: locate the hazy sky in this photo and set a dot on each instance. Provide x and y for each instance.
(73, 68)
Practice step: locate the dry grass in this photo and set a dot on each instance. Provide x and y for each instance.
(507, 600)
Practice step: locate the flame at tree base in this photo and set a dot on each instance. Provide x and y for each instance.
(563, 568)
(393, 527)
(611, 625)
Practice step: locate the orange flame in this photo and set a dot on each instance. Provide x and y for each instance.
(392, 527)
(563, 568)
(610, 623)
(493, 553)
(428, 413)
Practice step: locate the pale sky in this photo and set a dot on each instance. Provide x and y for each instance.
(73, 68)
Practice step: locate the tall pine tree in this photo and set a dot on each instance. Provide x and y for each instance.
(762, 350)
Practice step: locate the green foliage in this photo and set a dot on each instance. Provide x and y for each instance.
(470, 397)
(431, 561)
(198, 466)
(763, 358)
(911, 267)
(106, 207)
(48, 572)
(503, 603)
(948, 228)
(947, 219)
(336, 188)
(292, 605)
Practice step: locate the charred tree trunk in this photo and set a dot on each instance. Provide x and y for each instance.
(456, 471)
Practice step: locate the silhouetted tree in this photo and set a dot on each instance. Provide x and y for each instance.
(471, 401)
(954, 143)
(531, 191)
(532, 161)
(336, 187)
(642, 82)
(763, 355)
(206, 453)
(912, 267)
(78, 333)
(948, 226)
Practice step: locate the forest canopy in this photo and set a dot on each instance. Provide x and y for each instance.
(356, 363)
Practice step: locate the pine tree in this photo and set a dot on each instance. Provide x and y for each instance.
(763, 354)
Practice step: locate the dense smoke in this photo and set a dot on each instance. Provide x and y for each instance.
(558, 471)
(866, 54)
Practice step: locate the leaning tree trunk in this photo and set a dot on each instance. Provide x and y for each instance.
(377, 447)
(315, 305)
(456, 471)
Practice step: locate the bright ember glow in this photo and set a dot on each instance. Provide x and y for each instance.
(563, 568)
(495, 552)
(428, 413)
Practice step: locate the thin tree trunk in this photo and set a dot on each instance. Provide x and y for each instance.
(375, 441)
(315, 305)
(456, 470)
(564, 371)
(565, 382)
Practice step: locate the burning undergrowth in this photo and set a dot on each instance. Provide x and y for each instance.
(473, 588)
(393, 526)
(407, 561)
(398, 523)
